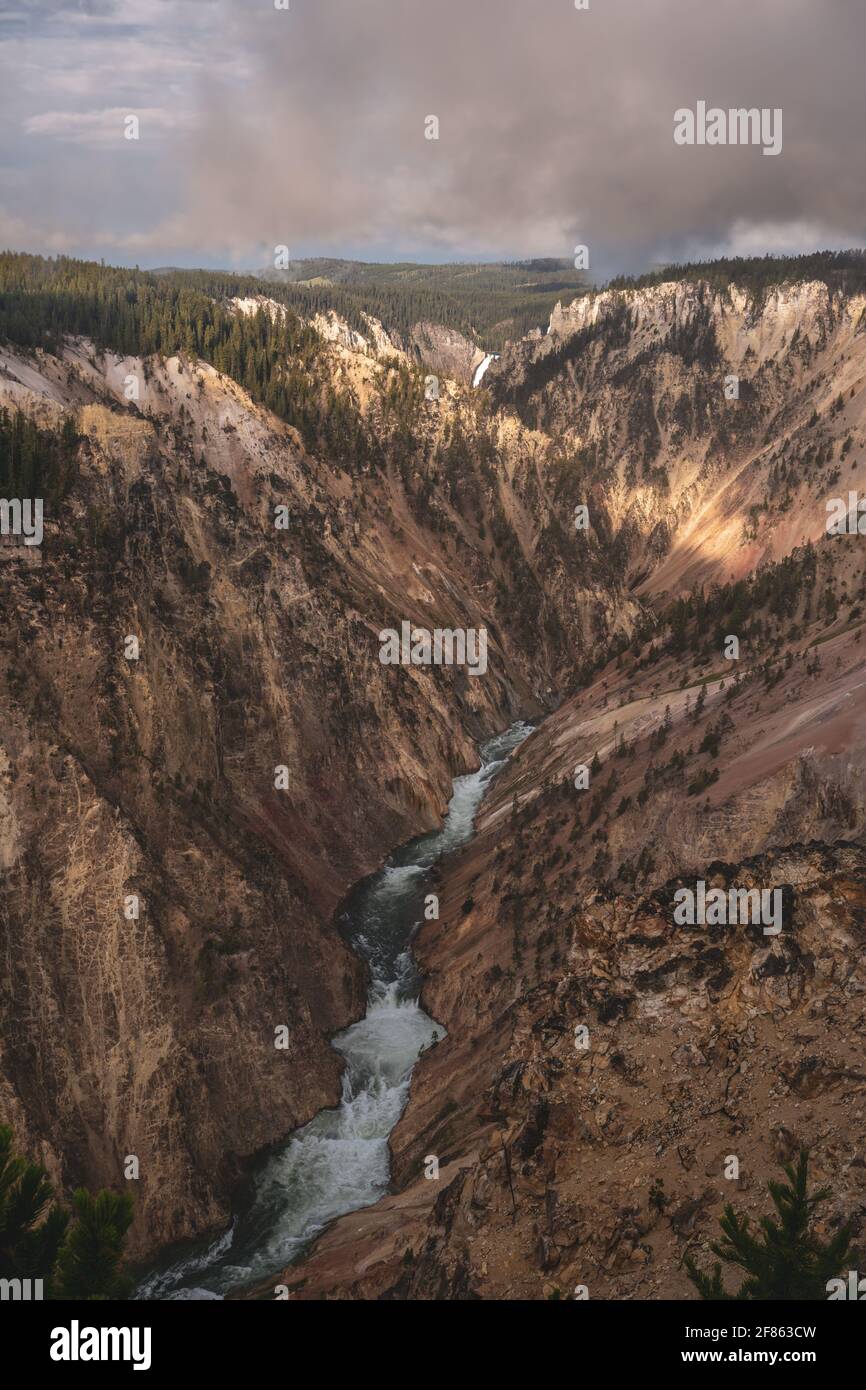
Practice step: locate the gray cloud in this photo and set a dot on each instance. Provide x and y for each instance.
(306, 127)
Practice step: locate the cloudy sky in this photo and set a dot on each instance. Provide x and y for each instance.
(306, 127)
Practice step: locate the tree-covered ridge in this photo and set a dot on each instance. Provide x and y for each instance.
(489, 304)
(278, 359)
(135, 312)
(703, 617)
(843, 271)
(153, 311)
(131, 312)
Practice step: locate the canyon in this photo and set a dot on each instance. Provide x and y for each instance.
(558, 1166)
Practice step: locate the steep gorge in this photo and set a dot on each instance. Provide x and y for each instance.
(602, 1168)
(259, 647)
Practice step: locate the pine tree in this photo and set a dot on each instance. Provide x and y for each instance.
(88, 1266)
(37, 1242)
(786, 1261)
(32, 1227)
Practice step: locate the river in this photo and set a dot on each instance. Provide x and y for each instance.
(340, 1160)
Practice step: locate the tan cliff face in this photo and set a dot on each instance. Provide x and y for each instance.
(446, 351)
(258, 649)
(441, 350)
(700, 484)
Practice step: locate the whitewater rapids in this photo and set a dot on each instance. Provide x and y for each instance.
(339, 1162)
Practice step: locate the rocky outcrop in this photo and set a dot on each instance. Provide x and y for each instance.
(606, 1090)
(445, 352)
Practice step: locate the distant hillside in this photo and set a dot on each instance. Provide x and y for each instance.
(490, 304)
(839, 270)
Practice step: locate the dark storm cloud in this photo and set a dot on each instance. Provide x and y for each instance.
(306, 127)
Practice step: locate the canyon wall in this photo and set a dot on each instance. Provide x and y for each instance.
(600, 1160)
(155, 776)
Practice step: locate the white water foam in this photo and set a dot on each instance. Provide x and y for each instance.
(340, 1162)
